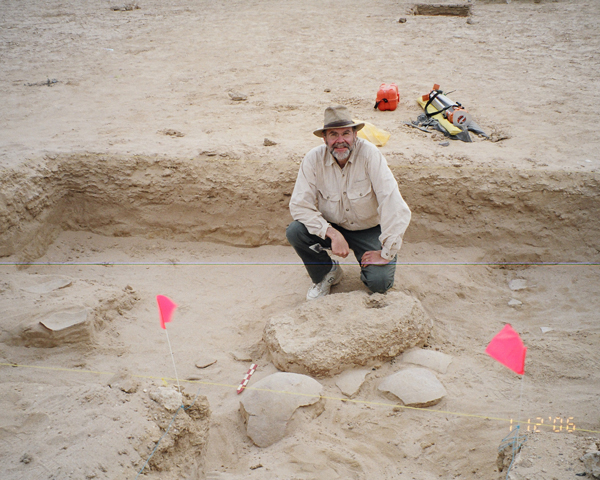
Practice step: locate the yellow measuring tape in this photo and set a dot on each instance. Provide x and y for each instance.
(165, 380)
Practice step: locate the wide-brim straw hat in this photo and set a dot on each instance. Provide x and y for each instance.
(337, 117)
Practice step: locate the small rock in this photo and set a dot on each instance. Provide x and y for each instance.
(513, 302)
(167, 397)
(470, 21)
(237, 97)
(47, 284)
(63, 320)
(327, 90)
(591, 462)
(517, 284)
(350, 381)
(416, 387)
(124, 382)
(241, 356)
(26, 458)
(506, 456)
(269, 143)
(591, 448)
(546, 329)
(125, 8)
(204, 362)
(172, 133)
(437, 361)
(497, 136)
(445, 144)
(402, 20)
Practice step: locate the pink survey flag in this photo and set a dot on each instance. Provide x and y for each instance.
(166, 307)
(507, 347)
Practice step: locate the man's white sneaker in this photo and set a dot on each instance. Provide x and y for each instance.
(322, 288)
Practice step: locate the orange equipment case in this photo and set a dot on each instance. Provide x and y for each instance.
(387, 97)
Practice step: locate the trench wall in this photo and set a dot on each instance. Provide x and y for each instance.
(512, 216)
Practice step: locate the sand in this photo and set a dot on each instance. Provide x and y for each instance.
(136, 174)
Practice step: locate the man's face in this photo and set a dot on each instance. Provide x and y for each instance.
(340, 142)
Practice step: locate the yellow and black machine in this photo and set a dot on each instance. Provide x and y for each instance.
(446, 116)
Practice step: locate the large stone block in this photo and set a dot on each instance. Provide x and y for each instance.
(331, 334)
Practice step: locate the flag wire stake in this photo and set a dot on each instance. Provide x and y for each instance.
(173, 359)
(512, 439)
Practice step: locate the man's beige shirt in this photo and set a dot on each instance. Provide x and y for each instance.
(361, 195)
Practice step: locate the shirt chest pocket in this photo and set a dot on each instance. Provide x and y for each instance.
(329, 204)
(362, 198)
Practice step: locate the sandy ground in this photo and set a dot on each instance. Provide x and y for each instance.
(127, 80)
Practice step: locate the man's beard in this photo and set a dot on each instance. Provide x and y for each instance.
(341, 156)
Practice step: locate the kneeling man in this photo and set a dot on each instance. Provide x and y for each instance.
(346, 198)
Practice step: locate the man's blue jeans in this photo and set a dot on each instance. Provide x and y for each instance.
(378, 278)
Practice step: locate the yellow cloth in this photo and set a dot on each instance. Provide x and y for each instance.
(373, 134)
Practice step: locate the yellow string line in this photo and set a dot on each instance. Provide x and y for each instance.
(347, 400)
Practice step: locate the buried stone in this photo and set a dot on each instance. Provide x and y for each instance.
(167, 397)
(437, 361)
(415, 387)
(350, 381)
(346, 330)
(591, 462)
(57, 315)
(123, 381)
(47, 283)
(271, 402)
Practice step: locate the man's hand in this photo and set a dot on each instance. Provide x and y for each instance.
(339, 245)
(373, 257)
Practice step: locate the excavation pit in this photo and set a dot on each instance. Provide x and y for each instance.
(512, 216)
(209, 233)
(128, 169)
